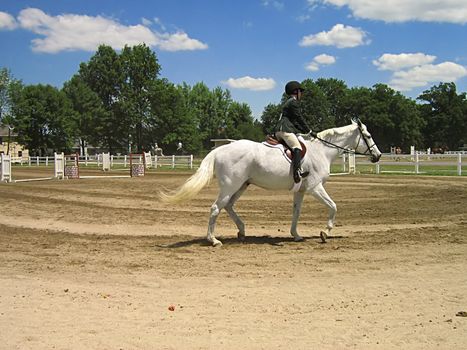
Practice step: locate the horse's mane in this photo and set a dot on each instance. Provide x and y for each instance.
(335, 133)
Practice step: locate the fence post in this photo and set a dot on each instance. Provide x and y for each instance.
(37, 160)
(59, 165)
(5, 171)
(106, 161)
(173, 161)
(377, 168)
(352, 163)
(191, 161)
(459, 164)
(155, 161)
(416, 163)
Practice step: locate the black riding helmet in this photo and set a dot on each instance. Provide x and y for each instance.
(292, 86)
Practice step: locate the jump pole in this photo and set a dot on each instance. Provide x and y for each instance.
(59, 169)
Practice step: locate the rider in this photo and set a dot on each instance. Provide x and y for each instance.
(292, 122)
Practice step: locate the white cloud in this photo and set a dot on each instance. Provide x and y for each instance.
(69, 32)
(7, 21)
(340, 36)
(303, 18)
(423, 75)
(159, 23)
(312, 66)
(412, 70)
(249, 83)
(402, 61)
(452, 11)
(278, 5)
(320, 60)
(325, 59)
(146, 22)
(179, 41)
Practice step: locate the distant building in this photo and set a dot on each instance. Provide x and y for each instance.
(16, 149)
(220, 142)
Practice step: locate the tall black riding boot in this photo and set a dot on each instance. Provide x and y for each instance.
(296, 159)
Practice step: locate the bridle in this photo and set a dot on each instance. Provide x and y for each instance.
(361, 136)
(348, 150)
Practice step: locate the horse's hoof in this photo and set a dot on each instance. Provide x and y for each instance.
(217, 244)
(298, 239)
(241, 237)
(323, 236)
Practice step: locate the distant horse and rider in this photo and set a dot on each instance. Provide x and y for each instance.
(440, 150)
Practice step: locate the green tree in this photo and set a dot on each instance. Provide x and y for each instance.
(174, 121)
(140, 69)
(88, 111)
(200, 102)
(445, 113)
(240, 123)
(105, 76)
(270, 117)
(316, 107)
(335, 91)
(392, 118)
(42, 119)
(216, 119)
(7, 85)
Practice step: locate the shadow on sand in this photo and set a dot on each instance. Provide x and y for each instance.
(233, 241)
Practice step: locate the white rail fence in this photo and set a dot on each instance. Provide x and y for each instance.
(418, 163)
(116, 161)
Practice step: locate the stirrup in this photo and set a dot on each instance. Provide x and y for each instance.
(299, 175)
(296, 177)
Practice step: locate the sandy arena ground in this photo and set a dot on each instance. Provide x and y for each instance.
(98, 263)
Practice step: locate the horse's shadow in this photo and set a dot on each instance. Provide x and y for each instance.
(233, 241)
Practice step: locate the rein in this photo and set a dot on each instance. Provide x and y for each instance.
(348, 150)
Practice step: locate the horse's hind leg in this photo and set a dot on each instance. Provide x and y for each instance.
(233, 215)
(297, 206)
(215, 211)
(320, 194)
(225, 196)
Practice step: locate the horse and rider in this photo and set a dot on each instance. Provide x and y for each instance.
(244, 162)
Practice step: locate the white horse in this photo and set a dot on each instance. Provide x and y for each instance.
(244, 162)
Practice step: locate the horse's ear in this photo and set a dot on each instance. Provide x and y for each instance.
(357, 121)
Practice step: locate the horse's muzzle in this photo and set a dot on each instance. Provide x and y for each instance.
(375, 158)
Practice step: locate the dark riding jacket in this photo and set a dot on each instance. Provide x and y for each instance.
(291, 119)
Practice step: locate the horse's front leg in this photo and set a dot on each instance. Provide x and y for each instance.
(321, 195)
(297, 206)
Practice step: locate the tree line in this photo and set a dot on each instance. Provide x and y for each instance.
(118, 102)
(436, 119)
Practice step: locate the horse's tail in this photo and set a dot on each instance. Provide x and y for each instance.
(195, 183)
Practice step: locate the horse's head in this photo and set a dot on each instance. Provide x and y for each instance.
(365, 143)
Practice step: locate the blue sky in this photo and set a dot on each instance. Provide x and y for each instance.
(251, 47)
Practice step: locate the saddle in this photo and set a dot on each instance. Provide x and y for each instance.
(271, 141)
